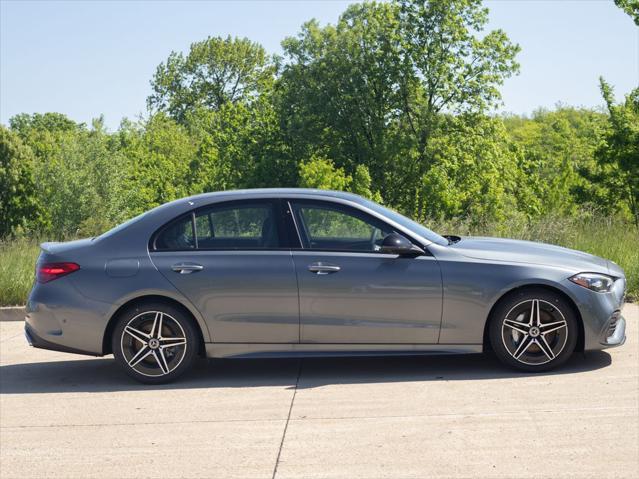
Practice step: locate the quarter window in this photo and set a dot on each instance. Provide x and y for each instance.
(178, 235)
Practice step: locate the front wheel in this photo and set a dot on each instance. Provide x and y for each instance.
(154, 343)
(533, 330)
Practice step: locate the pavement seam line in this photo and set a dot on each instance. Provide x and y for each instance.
(288, 419)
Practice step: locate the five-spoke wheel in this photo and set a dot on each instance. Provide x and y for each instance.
(533, 330)
(154, 343)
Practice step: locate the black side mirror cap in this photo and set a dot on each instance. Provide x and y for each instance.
(395, 243)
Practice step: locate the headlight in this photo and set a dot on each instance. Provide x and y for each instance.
(593, 281)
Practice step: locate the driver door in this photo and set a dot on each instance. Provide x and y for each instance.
(349, 291)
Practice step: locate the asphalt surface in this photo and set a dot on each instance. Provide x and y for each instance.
(459, 416)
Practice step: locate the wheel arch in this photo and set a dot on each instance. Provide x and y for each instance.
(106, 340)
(579, 347)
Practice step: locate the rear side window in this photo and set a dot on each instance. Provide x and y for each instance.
(233, 226)
(245, 226)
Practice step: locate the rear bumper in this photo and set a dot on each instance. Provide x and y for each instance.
(37, 341)
(59, 318)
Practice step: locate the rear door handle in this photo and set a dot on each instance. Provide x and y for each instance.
(187, 268)
(319, 268)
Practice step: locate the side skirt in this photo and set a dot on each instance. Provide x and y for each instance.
(256, 350)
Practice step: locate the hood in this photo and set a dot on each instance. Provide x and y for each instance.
(517, 251)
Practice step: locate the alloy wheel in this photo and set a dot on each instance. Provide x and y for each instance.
(534, 332)
(153, 343)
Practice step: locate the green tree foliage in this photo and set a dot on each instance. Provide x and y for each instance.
(557, 149)
(222, 91)
(75, 170)
(618, 156)
(631, 7)
(321, 173)
(18, 201)
(371, 90)
(215, 71)
(475, 173)
(159, 154)
(240, 146)
(392, 102)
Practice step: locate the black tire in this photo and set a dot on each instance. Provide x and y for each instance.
(539, 344)
(149, 361)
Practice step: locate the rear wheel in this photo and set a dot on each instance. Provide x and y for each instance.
(154, 343)
(533, 330)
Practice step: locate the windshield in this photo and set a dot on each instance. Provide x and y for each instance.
(408, 223)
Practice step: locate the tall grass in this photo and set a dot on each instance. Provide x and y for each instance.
(605, 237)
(17, 268)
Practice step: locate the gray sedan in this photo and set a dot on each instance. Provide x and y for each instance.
(293, 272)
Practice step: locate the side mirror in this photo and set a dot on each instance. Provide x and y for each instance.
(396, 244)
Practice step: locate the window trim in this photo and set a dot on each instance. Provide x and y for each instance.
(274, 203)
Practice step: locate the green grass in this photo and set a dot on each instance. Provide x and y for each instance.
(17, 268)
(605, 237)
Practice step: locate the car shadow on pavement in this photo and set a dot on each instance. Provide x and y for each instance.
(103, 375)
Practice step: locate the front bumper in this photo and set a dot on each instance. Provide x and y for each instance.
(603, 324)
(615, 333)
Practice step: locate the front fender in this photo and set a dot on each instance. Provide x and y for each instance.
(473, 287)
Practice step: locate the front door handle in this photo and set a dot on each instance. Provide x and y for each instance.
(319, 268)
(187, 268)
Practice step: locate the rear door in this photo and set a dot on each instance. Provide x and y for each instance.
(232, 261)
(352, 293)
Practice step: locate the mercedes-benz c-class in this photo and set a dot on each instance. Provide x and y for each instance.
(295, 272)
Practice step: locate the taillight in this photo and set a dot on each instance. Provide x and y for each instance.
(50, 271)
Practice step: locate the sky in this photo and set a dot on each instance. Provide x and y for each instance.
(87, 58)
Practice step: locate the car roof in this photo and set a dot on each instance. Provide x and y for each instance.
(229, 195)
(261, 192)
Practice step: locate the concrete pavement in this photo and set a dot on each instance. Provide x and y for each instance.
(460, 416)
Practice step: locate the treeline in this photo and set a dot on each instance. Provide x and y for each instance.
(393, 102)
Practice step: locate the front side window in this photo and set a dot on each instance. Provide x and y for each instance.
(225, 226)
(326, 226)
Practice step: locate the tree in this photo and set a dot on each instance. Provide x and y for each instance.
(619, 155)
(76, 169)
(631, 7)
(321, 173)
(459, 71)
(476, 174)
(362, 184)
(159, 154)
(337, 87)
(557, 152)
(215, 71)
(19, 208)
(372, 89)
(240, 146)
